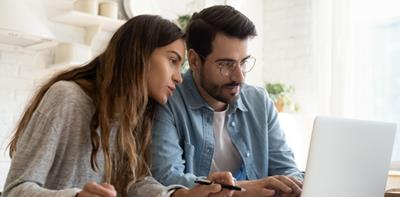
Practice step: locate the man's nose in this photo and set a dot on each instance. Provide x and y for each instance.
(237, 75)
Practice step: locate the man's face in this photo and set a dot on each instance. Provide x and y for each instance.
(219, 84)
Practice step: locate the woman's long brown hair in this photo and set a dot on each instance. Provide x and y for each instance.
(118, 87)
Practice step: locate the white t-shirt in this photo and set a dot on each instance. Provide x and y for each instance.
(226, 157)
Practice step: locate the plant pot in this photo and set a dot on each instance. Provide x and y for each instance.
(280, 104)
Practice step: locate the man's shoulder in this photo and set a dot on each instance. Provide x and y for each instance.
(186, 92)
(253, 97)
(181, 92)
(253, 91)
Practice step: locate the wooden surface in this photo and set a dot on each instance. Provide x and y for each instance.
(392, 193)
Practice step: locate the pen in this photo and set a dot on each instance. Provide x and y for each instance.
(230, 187)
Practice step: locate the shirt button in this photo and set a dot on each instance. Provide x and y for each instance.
(233, 124)
(247, 154)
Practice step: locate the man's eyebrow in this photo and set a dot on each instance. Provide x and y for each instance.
(232, 60)
(177, 54)
(225, 59)
(247, 57)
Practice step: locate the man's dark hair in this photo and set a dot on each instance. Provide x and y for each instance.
(204, 26)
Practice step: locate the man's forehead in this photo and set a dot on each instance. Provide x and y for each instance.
(226, 47)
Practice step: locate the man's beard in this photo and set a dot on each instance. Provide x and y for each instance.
(216, 91)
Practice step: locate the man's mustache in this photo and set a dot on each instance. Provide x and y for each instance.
(233, 84)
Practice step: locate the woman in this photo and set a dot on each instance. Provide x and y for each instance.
(89, 127)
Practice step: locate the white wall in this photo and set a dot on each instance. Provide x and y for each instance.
(287, 47)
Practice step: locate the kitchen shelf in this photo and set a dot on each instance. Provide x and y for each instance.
(33, 48)
(54, 68)
(93, 24)
(82, 19)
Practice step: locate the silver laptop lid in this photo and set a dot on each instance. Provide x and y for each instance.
(348, 158)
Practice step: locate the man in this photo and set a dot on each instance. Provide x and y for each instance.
(214, 122)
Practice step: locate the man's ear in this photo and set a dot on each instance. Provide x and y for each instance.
(194, 60)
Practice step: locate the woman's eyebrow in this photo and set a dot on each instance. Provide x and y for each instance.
(177, 54)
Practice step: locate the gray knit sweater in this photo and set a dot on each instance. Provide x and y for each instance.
(53, 154)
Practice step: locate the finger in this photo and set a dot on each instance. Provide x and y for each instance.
(223, 193)
(108, 186)
(290, 183)
(205, 190)
(276, 184)
(84, 193)
(299, 183)
(97, 189)
(222, 177)
(226, 192)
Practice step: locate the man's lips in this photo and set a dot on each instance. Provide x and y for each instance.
(232, 85)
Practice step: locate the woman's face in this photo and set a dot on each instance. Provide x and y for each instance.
(165, 70)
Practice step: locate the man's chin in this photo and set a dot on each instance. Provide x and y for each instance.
(229, 99)
(225, 95)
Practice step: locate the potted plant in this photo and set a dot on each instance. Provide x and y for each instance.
(281, 94)
(183, 21)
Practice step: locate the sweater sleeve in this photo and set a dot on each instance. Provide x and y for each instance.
(42, 149)
(33, 159)
(150, 187)
(33, 189)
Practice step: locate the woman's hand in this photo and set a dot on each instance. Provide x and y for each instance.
(213, 190)
(92, 189)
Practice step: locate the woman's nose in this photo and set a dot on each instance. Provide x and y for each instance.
(177, 77)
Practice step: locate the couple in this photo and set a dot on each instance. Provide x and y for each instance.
(104, 128)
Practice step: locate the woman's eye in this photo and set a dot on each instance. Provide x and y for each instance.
(173, 61)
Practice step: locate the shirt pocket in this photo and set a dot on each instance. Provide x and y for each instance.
(189, 157)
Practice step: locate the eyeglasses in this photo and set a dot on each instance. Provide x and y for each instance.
(226, 67)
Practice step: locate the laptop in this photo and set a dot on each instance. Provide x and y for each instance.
(348, 158)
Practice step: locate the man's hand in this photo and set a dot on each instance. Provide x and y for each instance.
(213, 190)
(270, 187)
(92, 189)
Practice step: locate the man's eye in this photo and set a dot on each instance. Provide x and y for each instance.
(227, 64)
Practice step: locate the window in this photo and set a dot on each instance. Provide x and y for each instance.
(357, 44)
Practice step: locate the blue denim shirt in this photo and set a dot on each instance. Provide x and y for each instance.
(183, 138)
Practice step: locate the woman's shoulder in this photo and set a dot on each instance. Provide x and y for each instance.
(65, 95)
